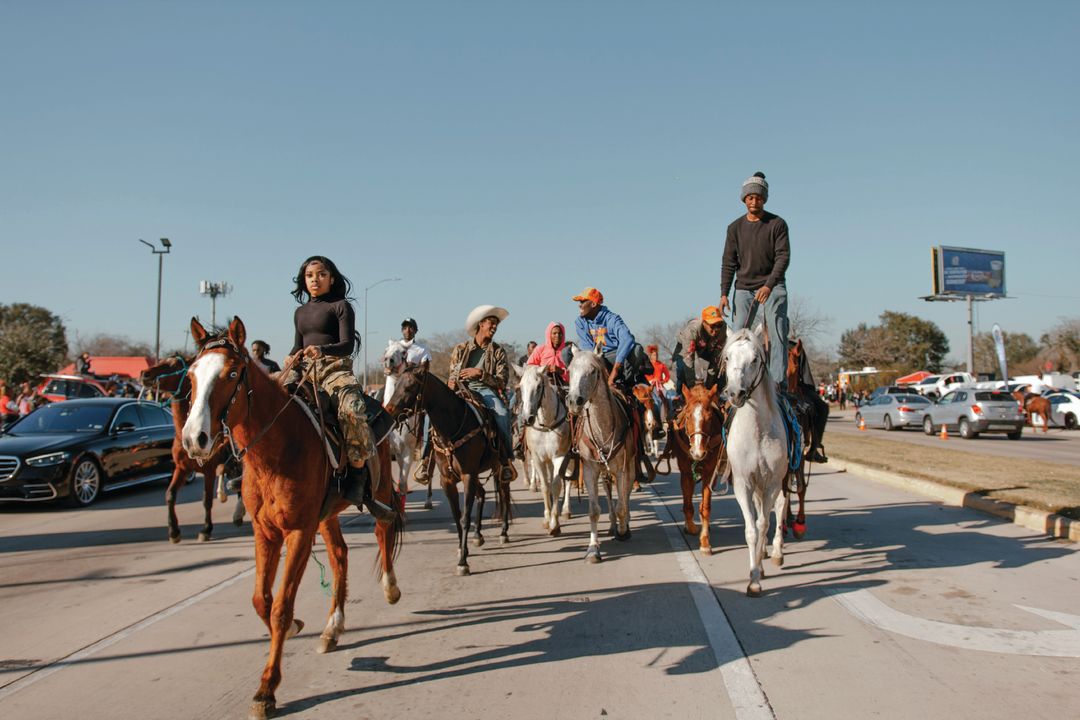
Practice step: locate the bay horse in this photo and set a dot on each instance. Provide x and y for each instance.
(605, 442)
(462, 450)
(697, 442)
(548, 438)
(657, 411)
(286, 478)
(1033, 405)
(170, 382)
(797, 522)
(757, 448)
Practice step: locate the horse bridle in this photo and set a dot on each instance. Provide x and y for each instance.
(758, 377)
(544, 382)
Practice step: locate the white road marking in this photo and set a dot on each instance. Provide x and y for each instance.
(1048, 643)
(743, 689)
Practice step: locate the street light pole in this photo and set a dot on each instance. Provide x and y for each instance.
(369, 287)
(165, 243)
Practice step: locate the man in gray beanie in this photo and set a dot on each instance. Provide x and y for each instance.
(756, 256)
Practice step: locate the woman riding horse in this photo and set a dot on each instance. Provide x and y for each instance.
(325, 340)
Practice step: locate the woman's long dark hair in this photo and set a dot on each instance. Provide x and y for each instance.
(340, 287)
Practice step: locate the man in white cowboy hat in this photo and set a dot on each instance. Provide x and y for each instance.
(481, 365)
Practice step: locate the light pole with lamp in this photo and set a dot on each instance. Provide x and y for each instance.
(157, 330)
(369, 287)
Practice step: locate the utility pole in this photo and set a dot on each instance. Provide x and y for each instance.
(214, 289)
(165, 243)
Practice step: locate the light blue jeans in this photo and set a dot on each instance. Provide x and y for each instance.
(776, 320)
(495, 404)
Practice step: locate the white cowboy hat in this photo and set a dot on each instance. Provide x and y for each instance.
(472, 323)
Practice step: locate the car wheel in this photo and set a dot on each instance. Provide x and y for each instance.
(888, 423)
(928, 426)
(1070, 421)
(85, 482)
(1014, 435)
(965, 430)
(858, 418)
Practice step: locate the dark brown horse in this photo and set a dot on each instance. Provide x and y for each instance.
(797, 521)
(461, 448)
(169, 381)
(1033, 405)
(697, 441)
(286, 479)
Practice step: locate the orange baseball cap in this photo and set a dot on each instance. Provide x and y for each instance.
(712, 315)
(590, 293)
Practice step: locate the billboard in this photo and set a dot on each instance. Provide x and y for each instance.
(964, 271)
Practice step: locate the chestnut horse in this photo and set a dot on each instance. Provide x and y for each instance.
(697, 441)
(797, 522)
(286, 479)
(461, 448)
(1033, 405)
(169, 380)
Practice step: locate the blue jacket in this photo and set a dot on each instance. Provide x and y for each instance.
(611, 328)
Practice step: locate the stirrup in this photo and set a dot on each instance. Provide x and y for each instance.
(507, 474)
(420, 474)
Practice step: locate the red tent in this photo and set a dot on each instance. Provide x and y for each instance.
(913, 378)
(105, 365)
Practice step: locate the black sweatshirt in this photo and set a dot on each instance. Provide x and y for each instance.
(328, 323)
(757, 252)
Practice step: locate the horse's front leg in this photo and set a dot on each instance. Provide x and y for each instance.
(744, 496)
(798, 527)
(537, 468)
(468, 481)
(687, 483)
(337, 554)
(282, 623)
(590, 477)
(481, 496)
(623, 484)
(178, 480)
(553, 486)
(705, 510)
(779, 504)
(452, 498)
(609, 483)
(209, 478)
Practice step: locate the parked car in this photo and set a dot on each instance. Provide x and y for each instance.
(57, 388)
(889, 390)
(949, 382)
(79, 448)
(927, 384)
(892, 412)
(970, 412)
(1064, 409)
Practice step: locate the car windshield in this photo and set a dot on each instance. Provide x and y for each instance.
(64, 418)
(994, 397)
(913, 400)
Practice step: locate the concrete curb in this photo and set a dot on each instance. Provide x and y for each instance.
(1031, 518)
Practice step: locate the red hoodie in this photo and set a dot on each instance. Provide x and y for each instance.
(545, 355)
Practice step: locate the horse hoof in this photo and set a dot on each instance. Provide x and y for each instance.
(479, 541)
(778, 561)
(462, 570)
(204, 537)
(592, 556)
(238, 521)
(392, 595)
(691, 529)
(295, 628)
(706, 548)
(326, 645)
(798, 530)
(623, 537)
(555, 531)
(566, 516)
(427, 504)
(504, 539)
(262, 709)
(174, 539)
(545, 524)
(753, 589)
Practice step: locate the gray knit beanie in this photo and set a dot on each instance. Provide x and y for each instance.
(755, 185)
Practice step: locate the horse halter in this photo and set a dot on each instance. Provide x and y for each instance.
(544, 383)
(242, 379)
(758, 376)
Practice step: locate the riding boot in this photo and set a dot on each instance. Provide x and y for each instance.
(507, 473)
(422, 474)
(817, 455)
(519, 444)
(356, 488)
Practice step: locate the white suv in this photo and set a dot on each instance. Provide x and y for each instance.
(951, 381)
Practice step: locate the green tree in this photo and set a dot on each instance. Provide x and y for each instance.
(32, 341)
(900, 342)
(1020, 350)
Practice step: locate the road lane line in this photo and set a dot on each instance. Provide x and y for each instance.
(742, 685)
(68, 660)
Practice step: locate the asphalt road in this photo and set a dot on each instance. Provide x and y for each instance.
(891, 607)
(1057, 445)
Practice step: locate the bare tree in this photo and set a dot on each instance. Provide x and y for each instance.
(109, 344)
(807, 322)
(663, 335)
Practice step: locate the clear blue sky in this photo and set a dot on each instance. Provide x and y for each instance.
(514, 152)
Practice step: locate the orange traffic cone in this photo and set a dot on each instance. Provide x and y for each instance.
(944, 433)
(862, 424)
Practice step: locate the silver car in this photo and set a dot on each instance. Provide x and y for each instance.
(975, 411)
(893, 411)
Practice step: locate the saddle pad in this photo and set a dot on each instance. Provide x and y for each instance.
(378, 419)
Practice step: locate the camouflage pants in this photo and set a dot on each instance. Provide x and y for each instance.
(334, 375)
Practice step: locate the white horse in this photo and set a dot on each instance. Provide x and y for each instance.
(605, 444)
(406, 437)
(547, 436)
(757, 448)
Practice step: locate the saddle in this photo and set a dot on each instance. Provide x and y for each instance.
(483, 415)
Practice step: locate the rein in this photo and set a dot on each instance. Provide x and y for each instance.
(560, 407)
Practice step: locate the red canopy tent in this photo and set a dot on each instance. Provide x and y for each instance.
(913, 378)
(105, 365)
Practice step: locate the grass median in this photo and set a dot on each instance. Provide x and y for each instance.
(1035, 483)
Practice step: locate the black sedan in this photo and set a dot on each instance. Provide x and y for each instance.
(79, 448)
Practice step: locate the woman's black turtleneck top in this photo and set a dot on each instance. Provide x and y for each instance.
(328, 323)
